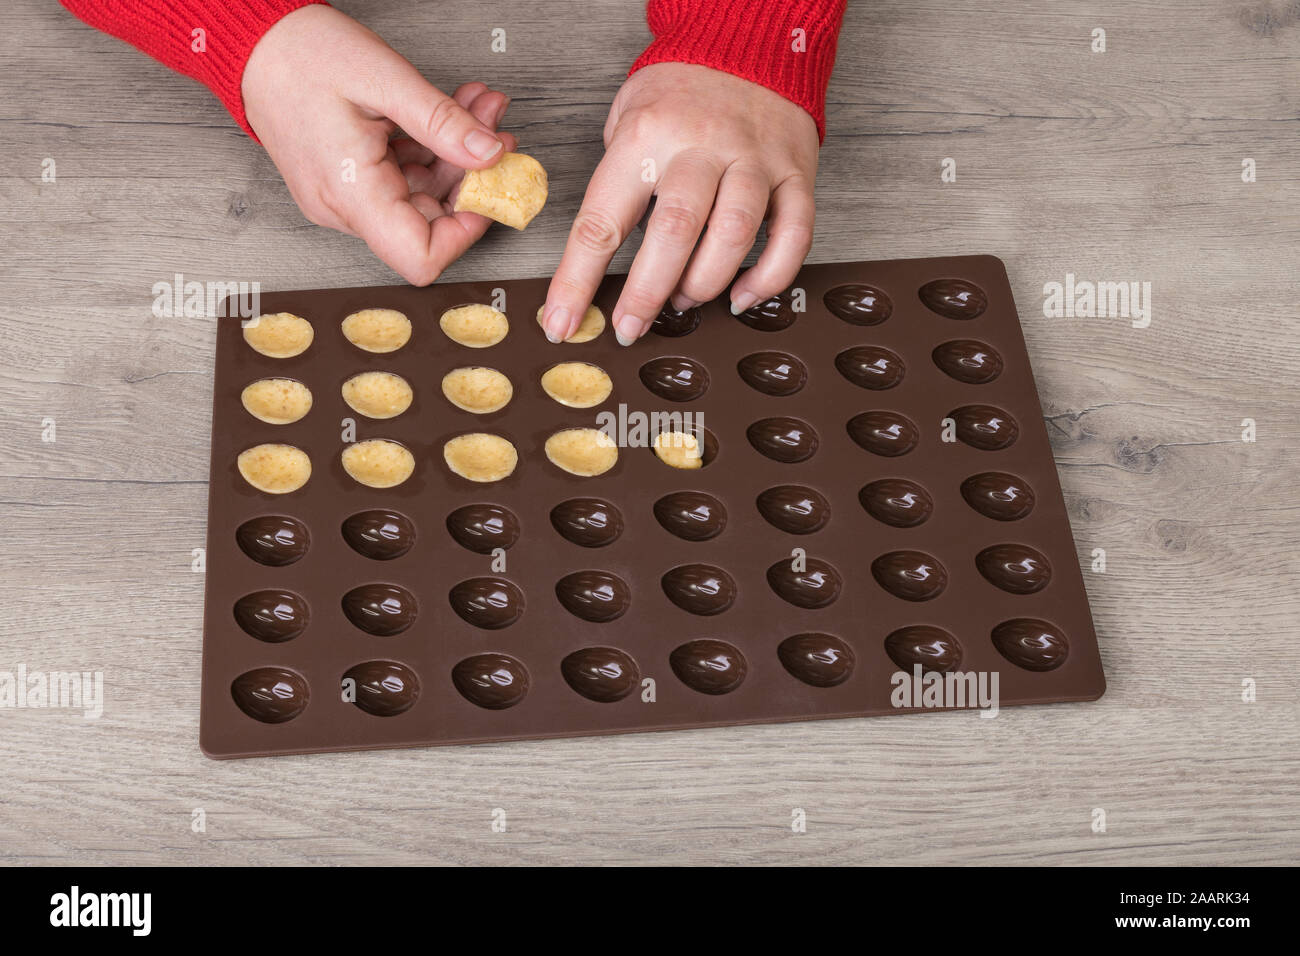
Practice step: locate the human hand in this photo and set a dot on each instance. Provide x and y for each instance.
(324, 94)
(716, 150)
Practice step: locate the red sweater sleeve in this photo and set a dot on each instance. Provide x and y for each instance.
(165, 29)
(755, 40)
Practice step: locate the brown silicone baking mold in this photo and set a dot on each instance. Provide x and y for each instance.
(910, 387)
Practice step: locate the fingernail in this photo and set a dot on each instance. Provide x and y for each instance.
(742, 302)
(482, 145)
(555, 323)
(681, 303)
(628, 329)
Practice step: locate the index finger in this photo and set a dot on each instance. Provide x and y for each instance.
(615, 199)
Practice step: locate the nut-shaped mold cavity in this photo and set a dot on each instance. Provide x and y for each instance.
(858, 304)
(377, 394)
(377, 330)
(378, 463)
(884, 433)
(602, 674)
(379, 534)
(492, 681)
(821, 660)
(985, 427)
(589, 522)
(275, 469)
(954, 298)
(280, 335)
(577, 384)
(897, 502)
(685, 450)
(475, 326)
(794, 509)
(784, 439)
(998, 495)
(700, 588)
(773, 373)
(709, 666)
(674, 323)
(276, 401)
(383, 688)
(592, 324)
(1016, 568)
(871, 366)
(273, 540)
(691, 515)
(910, 575)
(482, 528)
(1031, 643)
(480, 457)
(273, 615)
(675, 378)
(968, 360)
(584, 452)
(773, 315)
(595, 596)
(487, 602)
(272, 695)
(931, 647)
(817, 585)
(477, 389)
(380, 609)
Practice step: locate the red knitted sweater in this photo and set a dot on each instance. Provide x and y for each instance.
(785, 45)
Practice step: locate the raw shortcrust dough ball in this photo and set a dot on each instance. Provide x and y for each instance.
(585, 452)
(275, 469)
(378, 394)
(577, 384)
(592, 324)
(475, 326)
(378, 463)
(511, 192)
(679, 450)
(480, 457)
(279, 335)
(276, 401)
(377, 330)
(477, 389)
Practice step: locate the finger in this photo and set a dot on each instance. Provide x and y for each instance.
(733, 226)
(614, 201)
(789, 237)
(431, 117)
(682, 203)
(406, 150)
(488, 108)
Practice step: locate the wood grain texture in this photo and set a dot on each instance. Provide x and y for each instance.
(1120, 166)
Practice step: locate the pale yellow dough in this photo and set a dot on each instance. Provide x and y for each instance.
(511, 192)
(480, 457)
(477, 389)
(378, 394)
(679, 450)
(475, 326)
(378, 463)
(377, 330)
(585, 452)
(275, 469)
(577, 384)
(592, 324)
(276, 401)
(279, 335)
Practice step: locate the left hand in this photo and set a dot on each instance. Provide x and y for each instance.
(715, 151)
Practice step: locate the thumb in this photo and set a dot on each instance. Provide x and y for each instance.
(437, 121)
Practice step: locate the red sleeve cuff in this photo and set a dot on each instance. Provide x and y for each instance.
(166, 31)
(757, 40)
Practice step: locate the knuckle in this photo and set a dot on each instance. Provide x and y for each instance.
(675, 221)
(596, 232)
(734, 225)
(445, 113)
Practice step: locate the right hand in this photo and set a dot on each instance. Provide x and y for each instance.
(324, 94)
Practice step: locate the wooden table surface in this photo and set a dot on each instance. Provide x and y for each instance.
(1121, 166)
